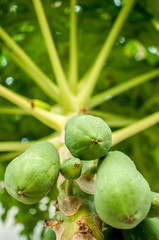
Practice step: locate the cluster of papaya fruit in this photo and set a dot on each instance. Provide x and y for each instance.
(122, 198)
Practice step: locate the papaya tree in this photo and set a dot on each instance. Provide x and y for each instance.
(78, 99)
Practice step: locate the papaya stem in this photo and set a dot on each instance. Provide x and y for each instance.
(124, 86)
(137, 127)
(25, 62)
(53, 120)
(66, 95)
(93, 73)
(73, 63)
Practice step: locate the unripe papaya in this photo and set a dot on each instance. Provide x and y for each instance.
(71, 168)
(148, 229)
(122, 195)
(87, 137)
(30, 176)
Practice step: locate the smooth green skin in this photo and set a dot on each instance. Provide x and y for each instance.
(148, 229)
(71, 168)
(154, 210)
(34, 172)
(80, 132)
(122, 195)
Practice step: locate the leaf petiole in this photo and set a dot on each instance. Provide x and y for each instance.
(91, 77)
(137, 127)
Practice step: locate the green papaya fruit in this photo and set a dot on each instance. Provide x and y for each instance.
(154, 210)
(71, 168)
(148, 229)
(30, 176)
(122, 195)
(87, 137)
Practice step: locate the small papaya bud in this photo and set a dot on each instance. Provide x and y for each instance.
(71, 168)
(30, 176)
(87, 137)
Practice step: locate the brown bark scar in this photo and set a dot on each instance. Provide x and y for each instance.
(83, 226)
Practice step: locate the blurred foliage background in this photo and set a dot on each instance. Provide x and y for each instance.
(136, 51)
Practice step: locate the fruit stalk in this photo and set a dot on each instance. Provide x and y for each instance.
(69, 184)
